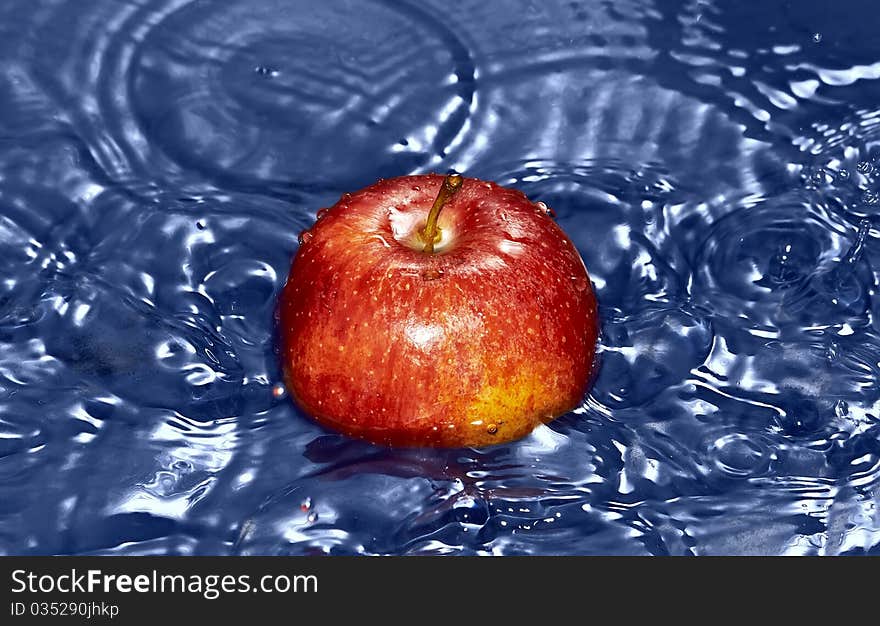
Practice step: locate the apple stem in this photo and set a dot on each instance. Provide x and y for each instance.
(430, 234)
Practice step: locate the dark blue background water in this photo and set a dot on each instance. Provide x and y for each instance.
(716, 163)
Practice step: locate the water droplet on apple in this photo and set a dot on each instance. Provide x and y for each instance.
(580, 283)
(322, 213)
(432, 274)
(416, 188)
(305, 237)
(545, 209)
(492, 429)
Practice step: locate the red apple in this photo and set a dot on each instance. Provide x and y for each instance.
(468, 337)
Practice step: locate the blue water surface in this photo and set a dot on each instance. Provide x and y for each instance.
(716, 163)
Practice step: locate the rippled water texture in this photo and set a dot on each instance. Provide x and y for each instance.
(716, 163)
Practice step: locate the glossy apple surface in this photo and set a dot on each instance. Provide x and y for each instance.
(475, 343)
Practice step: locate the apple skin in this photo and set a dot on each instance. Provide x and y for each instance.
(474, 344)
